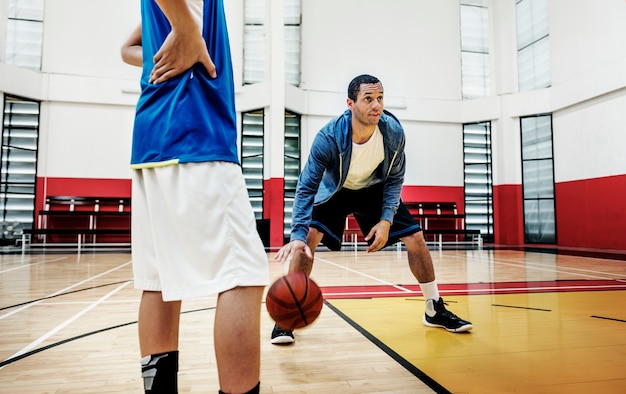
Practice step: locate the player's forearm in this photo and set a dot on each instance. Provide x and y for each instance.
(132, 50)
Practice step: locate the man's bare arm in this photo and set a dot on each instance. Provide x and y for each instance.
(183, 47)
(131, 49)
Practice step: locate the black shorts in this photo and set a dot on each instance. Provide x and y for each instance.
(366, 205)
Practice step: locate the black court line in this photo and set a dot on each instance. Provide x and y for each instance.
(62, 294)
(72, 339)
(418, 373)
(522, 307)
(609, 318)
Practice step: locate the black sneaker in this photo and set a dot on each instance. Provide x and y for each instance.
(444, 318)
(282, 337)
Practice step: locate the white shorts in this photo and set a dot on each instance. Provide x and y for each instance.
(194, 232)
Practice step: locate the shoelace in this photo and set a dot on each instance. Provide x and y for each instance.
(446, 312)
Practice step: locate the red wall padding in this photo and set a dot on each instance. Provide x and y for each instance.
(591, 213)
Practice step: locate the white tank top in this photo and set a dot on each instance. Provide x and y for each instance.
(365, 159)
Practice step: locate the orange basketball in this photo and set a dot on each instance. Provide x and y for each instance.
(294, 301)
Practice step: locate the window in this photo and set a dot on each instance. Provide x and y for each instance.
(292, 42)
(538, 179)
(254, 47)
(24, 33)
(20, 133)
(475, 48)
(533, 44)
(478, 179)
(252, 158)
(254, 52)
(292, 167)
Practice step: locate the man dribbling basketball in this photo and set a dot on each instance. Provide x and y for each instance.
(357, 165)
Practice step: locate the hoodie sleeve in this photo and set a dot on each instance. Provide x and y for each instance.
(308, 185)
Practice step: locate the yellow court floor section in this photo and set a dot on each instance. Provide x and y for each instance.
(556, 342)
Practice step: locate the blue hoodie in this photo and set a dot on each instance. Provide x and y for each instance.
(329, 161)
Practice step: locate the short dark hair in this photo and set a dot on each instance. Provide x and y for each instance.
(355, 84)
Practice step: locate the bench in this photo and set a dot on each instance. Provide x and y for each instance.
(442, 221)
(461, 237)
(82, 218)
(440, 236)
(436, 214)
(79, 233)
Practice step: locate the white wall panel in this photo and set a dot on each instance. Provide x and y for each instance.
(590, 139)
(506, 151)
(412, 46)
(85, 141)
(585, 36)
(83, 37)
(434, 153)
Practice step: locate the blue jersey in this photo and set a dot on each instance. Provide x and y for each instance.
(190, 118)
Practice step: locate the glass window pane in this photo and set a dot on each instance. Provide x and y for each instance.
(475, 69)
(292, 55)
(254, 54)
(534, 66)
(20, 133)
(254, 12)
(538, 179)
(474, 29)
(252, 140)
(478, 178)
(24, 42)
(533, 45)
(292, 12)
(26, 9)
(474, 50)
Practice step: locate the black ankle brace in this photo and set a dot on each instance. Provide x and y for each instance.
(160, 373)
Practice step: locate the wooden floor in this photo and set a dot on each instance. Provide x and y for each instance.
(543, 323)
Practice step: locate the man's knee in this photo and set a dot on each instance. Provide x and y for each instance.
(415, 241)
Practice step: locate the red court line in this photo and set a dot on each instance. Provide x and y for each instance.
(331, 292)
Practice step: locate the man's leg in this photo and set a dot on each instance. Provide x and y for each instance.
(421, 265)
(237, 340)
(158, 342)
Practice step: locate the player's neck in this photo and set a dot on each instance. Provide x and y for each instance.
(362, 133)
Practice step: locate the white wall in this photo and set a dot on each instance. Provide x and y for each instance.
(83, 140)
(413, 46)
(589, 94)
(590, 139)
(83, 37)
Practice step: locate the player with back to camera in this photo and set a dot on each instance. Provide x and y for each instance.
(356, 165)
(193, 229)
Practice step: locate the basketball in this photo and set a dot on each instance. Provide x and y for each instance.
(294, 301)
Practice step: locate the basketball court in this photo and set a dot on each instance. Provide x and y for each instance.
(543, 323)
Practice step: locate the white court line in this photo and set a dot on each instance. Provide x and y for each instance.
(29, 265)
(66, 323)
(404, 289)
(63, 291)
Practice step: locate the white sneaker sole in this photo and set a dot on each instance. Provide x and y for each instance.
(283, 340)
